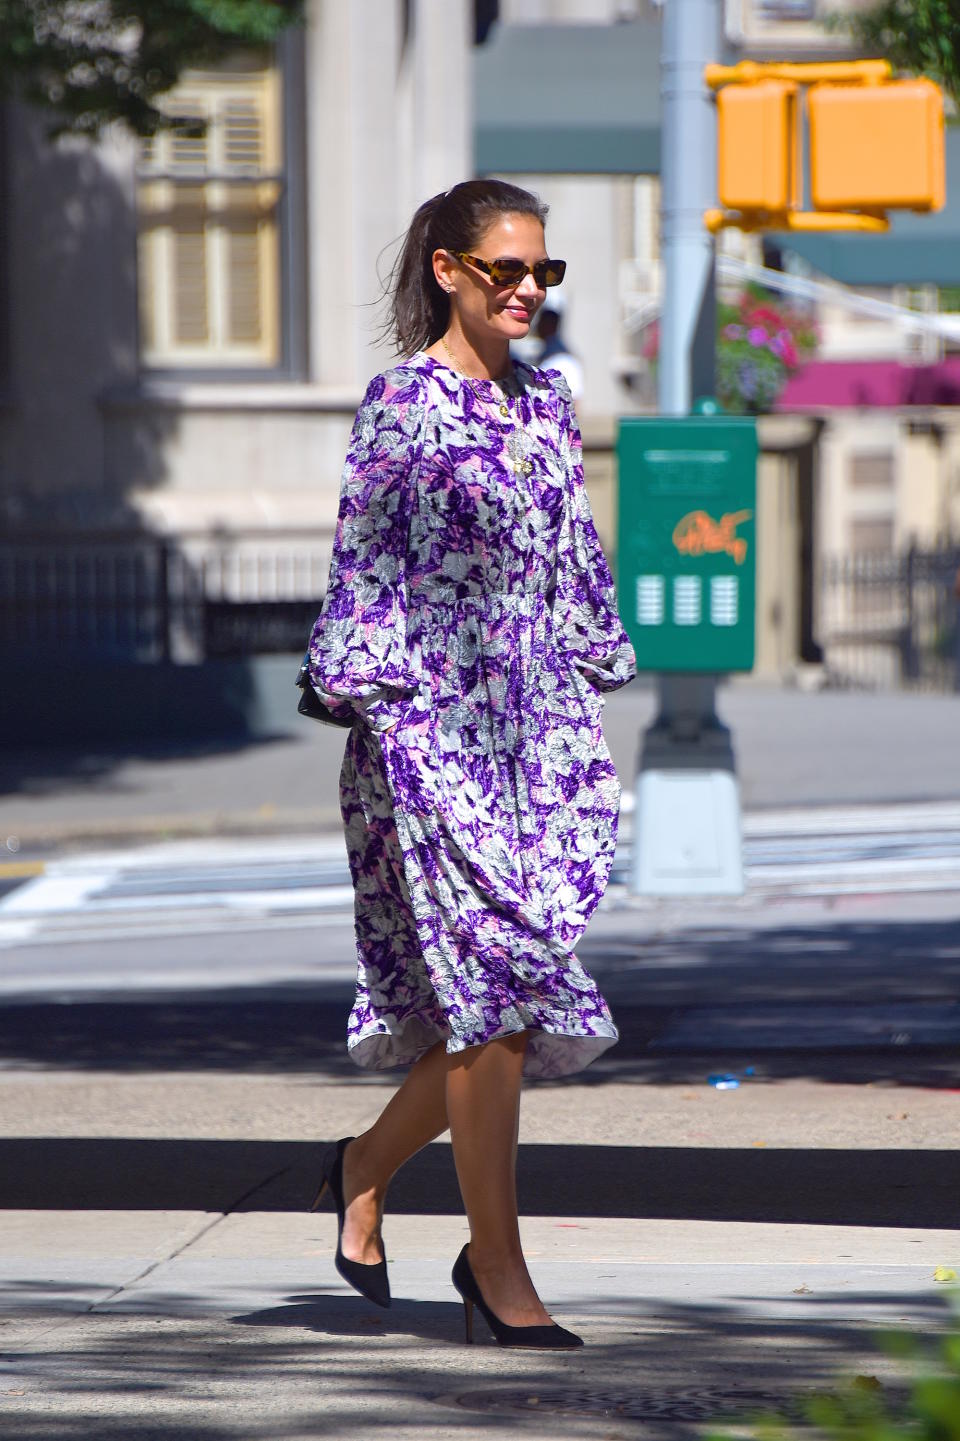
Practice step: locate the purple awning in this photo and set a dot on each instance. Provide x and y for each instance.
(835, 384)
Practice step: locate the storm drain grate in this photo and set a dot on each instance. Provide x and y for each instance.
(701, 1403)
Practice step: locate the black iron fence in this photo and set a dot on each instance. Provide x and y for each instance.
(892, 621)
(145, 598)
(883, 620)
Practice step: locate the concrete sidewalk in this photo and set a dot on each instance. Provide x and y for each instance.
(190, 1295)
(231, 1322)
(199, 1327)
(793, 748)
(720, 1251)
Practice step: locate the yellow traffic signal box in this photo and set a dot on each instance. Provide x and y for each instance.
(876, 147)
(758, 146)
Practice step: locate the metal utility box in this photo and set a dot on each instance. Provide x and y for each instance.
(686, 562)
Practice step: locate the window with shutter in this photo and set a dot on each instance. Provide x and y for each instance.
(209, 198)
(873, 469)
(871, 535)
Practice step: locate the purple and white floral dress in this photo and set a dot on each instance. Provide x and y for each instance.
(470, 623)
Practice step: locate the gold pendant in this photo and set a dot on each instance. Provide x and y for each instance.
(517, 452)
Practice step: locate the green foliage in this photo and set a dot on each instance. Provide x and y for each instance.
(864, 1410)
(97, 61)
(921, 36)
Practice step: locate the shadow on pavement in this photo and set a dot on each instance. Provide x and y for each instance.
(325, 1366)
(54, 771)
(839, 1187)
(852, 1001)
(257, 1032)
(847, 960)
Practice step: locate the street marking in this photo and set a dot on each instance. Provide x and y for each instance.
(10, 870)
(201, 885)
(52, 892)
(14, 933)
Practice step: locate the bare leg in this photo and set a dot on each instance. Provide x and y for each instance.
(483, 1106)
(415, 1115)
(477, 1093)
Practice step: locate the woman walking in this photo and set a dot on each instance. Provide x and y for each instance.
(470, 628)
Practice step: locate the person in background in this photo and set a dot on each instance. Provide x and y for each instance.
(554, 353)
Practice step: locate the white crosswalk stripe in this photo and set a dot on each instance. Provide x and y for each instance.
(192, 886)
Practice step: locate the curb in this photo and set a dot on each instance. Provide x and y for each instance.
(265, 821)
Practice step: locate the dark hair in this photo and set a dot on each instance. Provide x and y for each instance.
(455, 220)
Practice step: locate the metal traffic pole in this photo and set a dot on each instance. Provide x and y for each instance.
(687, 837)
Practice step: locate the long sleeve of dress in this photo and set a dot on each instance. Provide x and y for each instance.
(585, 616)
(359, 658)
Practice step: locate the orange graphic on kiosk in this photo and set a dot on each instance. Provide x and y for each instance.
(699, 534)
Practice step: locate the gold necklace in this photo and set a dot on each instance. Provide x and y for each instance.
(516, 444)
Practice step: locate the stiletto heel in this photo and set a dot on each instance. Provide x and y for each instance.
(371, 1281)
(545, 1338)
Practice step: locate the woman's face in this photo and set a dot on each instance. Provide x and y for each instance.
(483, 308)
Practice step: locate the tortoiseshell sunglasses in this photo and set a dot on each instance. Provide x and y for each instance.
(508, 271)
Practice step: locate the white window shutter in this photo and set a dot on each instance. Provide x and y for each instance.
(245, 274)
(190, 294)
(209, 251)
(242, 123)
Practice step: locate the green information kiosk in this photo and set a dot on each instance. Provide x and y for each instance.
(685, 556)
(687, 584)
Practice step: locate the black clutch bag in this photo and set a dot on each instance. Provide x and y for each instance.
(311, 705)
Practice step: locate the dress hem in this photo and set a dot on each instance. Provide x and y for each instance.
(552, 1052)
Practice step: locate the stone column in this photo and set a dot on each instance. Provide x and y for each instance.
(389, 122)
(442, 101)
(352, 59)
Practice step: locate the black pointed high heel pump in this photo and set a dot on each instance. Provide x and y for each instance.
(371, 1281)
(544, 1338)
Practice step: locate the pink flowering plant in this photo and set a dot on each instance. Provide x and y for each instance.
(760, 344)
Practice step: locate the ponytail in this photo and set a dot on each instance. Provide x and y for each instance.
(420, 310)
(453, 220)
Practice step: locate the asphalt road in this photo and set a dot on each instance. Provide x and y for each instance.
(793, 749)
(225, 953)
